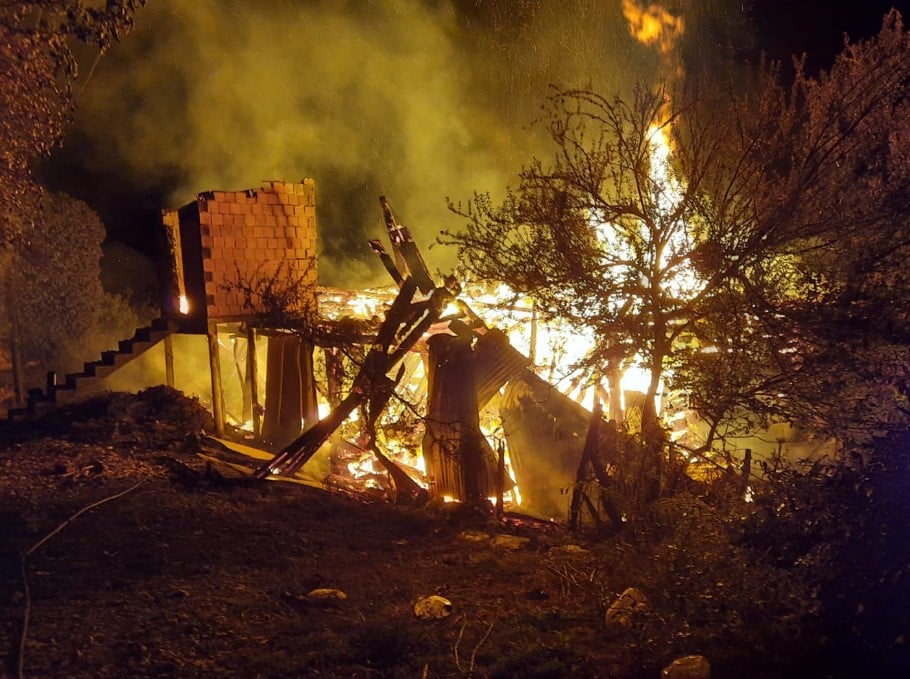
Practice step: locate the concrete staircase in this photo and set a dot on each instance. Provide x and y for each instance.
(79, 386)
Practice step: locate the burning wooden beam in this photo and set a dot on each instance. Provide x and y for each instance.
(387, 262)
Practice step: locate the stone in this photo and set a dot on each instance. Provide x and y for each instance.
(573, 549)
(473, 536)
(432, 607)
(324, 594)
(688, 667)
(626, 606)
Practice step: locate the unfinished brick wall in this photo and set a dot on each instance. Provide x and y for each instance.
(246, 235)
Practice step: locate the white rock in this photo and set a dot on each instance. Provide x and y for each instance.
(688, 667)
(433, 606)
(325, 594)
(512, 542)
(622, 610)
(573, 549)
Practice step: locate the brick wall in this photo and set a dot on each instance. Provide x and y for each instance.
(250, 234)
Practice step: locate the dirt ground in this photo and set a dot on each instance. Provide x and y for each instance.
(197, 572)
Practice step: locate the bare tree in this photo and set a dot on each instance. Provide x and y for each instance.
(709, 252)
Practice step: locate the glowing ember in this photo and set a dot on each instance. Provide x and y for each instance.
(183, 305)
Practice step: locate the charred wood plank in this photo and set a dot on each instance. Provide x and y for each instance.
(459, 460)
(407, 256)
(387, 262)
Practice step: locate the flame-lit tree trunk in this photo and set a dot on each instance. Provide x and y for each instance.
(613, 373)
(457, 454)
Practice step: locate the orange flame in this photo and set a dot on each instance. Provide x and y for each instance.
(652, 24)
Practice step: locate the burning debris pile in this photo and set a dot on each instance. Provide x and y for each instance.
(431, 400)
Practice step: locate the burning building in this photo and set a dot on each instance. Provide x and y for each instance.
(404, 391)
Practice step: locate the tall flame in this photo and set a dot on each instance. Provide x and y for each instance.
(652, 24)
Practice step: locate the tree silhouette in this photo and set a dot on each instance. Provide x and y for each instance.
(731, 256)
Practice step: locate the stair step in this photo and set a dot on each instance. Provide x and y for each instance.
(141, 347)
(72, 379)
(69, 390)
(97, 369)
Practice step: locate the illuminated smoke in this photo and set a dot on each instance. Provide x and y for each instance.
(413, 99)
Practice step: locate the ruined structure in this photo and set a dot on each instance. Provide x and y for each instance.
(229, 236)
(233, 255)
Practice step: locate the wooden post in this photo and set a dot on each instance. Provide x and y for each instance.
(309, 405)
(290, 398)
(334, 374)
(455, 450)
(215, 369)
(169, 361)
(252, 376)
(746, 473)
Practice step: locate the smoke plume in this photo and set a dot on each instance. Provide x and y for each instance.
(418, 100)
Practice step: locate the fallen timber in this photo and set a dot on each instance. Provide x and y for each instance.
(467, 364)
(404, 325)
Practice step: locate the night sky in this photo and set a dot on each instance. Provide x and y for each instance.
(420, 100)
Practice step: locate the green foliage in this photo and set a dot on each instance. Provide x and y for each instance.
(34, 108)
(836, 333)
